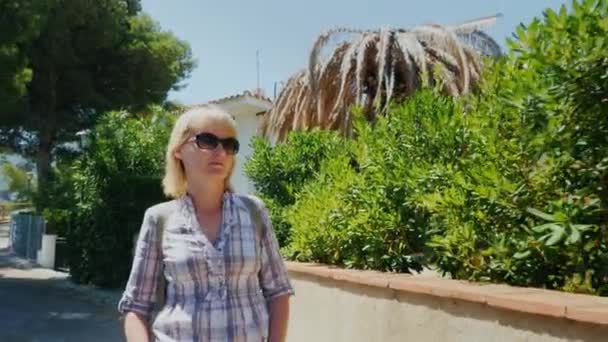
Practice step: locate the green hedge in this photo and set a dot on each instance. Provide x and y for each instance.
(280, 171)
(508, 185)
(105, 194)
(368, 211)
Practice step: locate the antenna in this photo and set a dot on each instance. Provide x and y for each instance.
(257, 69)
(476, 24)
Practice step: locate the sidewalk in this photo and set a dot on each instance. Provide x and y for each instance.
(12, 266)
(40, 304)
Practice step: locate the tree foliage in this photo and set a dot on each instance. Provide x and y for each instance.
(64, 62)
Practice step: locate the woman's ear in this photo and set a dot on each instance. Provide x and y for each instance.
(177, 154)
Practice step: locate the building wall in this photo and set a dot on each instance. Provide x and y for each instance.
(247, 122)
(247, 127)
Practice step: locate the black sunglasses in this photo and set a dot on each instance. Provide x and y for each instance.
(208, 141)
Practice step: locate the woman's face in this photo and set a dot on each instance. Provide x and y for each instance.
(206, 157)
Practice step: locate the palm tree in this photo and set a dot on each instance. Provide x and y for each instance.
(373, 68)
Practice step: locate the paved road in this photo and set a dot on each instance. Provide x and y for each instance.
(35, 306)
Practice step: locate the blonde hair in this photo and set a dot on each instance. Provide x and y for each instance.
(191, 122)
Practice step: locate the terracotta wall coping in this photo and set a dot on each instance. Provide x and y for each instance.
(577, 307)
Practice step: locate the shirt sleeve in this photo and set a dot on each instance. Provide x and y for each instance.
(274, 278)
(140, 292)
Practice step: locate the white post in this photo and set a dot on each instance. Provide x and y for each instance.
(46, 254)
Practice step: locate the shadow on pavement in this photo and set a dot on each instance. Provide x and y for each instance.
(42, 310)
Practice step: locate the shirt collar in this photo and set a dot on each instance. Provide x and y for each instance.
(229, 210)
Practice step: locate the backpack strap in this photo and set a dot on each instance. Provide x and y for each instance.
(254, 210)
(161, 286)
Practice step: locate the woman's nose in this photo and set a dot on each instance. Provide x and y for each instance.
(219, 150)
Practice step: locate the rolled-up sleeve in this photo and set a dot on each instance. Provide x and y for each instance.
(274, 279)
(140, 292)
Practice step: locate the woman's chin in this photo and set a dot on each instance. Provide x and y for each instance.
(215, 171)
(209, 172)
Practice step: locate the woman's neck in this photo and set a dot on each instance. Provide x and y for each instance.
(207, 198)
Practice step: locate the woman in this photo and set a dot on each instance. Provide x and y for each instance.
(209, 257)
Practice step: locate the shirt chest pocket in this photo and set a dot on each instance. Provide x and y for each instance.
(185, 258)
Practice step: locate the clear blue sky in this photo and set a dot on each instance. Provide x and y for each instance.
(224, 35)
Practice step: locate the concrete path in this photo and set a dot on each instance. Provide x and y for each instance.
(37, 304)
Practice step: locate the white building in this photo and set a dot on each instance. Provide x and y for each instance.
(247, 109)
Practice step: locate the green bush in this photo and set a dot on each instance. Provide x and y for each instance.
(549, 99)
(7, 207)
(19, 180)
(365, 212)
(117, 178)
(507, 185)
(55, 203)
(280, 171)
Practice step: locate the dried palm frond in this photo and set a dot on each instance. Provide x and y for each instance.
(372, 68)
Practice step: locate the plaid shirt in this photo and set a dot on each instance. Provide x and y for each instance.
(214, 292)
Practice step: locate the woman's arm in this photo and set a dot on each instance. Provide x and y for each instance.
(136, 328)
(274, 279)
(279, 318)
(138, 300)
